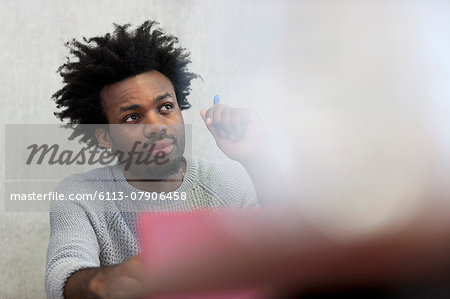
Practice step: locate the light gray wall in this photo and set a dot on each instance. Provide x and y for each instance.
(322, 74)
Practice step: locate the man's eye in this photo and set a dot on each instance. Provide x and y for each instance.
(131, 118)
(167, 107)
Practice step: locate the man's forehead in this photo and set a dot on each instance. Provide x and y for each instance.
(151, 83)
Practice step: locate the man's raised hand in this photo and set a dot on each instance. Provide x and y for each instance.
(237, 131)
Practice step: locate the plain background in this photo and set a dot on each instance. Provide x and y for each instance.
(347, 89)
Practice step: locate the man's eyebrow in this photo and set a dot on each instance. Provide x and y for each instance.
(129, 107)
(136, 106)
(161, 97)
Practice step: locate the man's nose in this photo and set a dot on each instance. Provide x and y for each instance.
(153, 125)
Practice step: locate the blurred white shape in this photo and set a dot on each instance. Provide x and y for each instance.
(364, 99)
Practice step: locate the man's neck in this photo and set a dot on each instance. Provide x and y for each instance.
(168, 184)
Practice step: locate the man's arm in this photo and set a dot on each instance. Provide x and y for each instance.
(79, 284)
(73, 266)
(73, 245)
(121, 281)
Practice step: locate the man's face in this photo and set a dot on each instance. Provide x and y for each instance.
(143, 114)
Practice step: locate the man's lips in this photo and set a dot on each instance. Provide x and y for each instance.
(165, 145)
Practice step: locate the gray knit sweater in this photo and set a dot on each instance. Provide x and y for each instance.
(92, 233)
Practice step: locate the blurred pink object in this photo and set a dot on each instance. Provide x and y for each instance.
(172, 244)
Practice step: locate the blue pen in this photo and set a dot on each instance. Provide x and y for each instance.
(216, 99)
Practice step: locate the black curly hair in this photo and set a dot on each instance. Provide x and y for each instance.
(103, 60)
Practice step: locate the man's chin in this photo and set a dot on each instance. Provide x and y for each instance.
(163, 171)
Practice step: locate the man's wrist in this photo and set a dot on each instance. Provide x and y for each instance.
(83, 283)
(96, 285)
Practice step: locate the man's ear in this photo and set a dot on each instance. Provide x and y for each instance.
(103, 137)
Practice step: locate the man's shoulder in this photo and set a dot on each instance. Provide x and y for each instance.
(228, 180)
(81, 190)
(206, 167)
(222, 172)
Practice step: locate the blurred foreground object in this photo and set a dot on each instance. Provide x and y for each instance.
(278, 251)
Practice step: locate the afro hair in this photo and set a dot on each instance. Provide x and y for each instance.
(98, 61)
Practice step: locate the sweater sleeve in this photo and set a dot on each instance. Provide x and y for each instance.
(73, 241)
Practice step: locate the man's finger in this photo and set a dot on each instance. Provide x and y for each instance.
(203, 113)
(210, 113)
(208, 122)
(220, 120)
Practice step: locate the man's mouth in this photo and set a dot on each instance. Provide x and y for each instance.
(165, 145)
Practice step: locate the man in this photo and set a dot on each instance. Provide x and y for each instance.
(136, 83)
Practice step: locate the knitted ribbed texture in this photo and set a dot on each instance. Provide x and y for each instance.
(96, 233)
